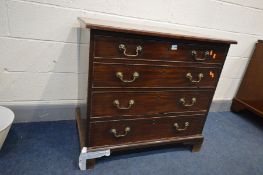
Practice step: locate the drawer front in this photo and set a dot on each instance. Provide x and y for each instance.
(129, 131)
(129, 48)
(148, 103)
(124, 75)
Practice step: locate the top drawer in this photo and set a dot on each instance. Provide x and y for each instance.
(117, 47)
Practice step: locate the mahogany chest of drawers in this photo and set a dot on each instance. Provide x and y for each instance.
(146, 86)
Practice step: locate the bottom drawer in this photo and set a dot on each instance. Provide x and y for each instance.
(104, 133)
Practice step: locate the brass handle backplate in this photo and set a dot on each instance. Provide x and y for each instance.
(114, 132)
(190, 77)
(183, 102)
(194, 54)
(178, 128)
(120, 76)
(117, 104)
(123, 47)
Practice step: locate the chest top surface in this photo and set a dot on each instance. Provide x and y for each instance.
(150, 30)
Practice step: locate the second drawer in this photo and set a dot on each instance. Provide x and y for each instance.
(115, 75)
(143, 103)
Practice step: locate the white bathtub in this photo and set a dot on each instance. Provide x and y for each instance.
(6, 119)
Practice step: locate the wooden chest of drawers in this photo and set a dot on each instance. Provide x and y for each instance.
(147, 86)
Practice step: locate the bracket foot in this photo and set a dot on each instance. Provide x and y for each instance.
(90, 156)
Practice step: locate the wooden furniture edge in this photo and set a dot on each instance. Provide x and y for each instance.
(193, 140)
(239, 105)
(81, 128)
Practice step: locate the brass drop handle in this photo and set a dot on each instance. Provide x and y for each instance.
(114, 132)
(190, 77)
(194, 54)
(183, 102)
(123, 47)
(120, 76)
(117, 104)
(178, 128)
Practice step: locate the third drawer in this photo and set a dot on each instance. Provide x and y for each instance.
(148, 103)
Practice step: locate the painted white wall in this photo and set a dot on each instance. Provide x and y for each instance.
(38, 40)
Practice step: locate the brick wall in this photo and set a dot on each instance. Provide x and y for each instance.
(39, 50)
